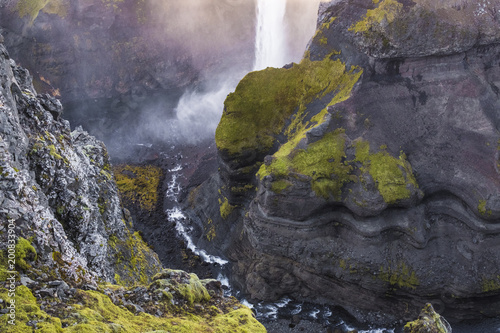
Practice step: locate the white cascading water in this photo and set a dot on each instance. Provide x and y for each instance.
(270, 36)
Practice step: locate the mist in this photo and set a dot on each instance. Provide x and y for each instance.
(147, 71)
(232, 27)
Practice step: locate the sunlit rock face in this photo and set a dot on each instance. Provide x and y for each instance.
(367, 176)
(58, 196)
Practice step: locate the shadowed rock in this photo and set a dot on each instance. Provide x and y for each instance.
(375, 162)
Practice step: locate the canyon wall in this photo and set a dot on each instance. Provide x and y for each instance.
(69, 257)
(367, 175)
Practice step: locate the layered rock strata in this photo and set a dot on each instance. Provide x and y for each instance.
(367, 176)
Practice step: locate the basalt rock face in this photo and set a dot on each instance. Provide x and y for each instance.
(58, 194)
(367, 176)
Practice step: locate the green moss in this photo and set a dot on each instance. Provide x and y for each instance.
(4, 266)
(225, 208)
(211, 234)
(482, 208)
(57, 7)
(27, 310)
(194, 291)
(32, 8)
(135, 261)
(240, 320)
(94, 312)
(53, 152)
(325, 163)
(24, 251)
(428, 321)
(106, 174)
(393, 176)
(401, 276)
(138, 184)
(242, 189)
(322, 162)
(326, 25)
(280, 185)
(491, 285)
(386, 10)
(262, 102)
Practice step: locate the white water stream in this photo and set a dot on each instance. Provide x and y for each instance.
(175, 214)
(270, 34)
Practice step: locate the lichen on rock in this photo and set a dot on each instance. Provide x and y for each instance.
(58, 197)
(429, 322)
(375, 152)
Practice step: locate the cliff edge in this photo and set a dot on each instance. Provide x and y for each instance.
(70, 260)
(367, 175)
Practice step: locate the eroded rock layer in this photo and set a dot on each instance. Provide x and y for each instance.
(367, 176)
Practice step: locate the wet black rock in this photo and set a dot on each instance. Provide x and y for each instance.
(380, 190)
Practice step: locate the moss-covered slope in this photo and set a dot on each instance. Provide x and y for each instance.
(175, 302)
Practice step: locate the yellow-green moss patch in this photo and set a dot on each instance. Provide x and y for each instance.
(32, 8)
(386, 10)
(401, 276)
(393, 176)
(24, 251)
(489, 285)
(138, 184)
(94, 312)
(262, 102)
(280, 185)
(225, 208)
(135, 261)
(428, 321)
(482, 208)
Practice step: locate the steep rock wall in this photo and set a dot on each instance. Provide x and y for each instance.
(59, 192)
(69, 259)
(367, 175)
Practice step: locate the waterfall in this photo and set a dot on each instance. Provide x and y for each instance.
(270, 37)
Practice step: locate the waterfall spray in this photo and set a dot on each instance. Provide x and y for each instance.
(270, 37)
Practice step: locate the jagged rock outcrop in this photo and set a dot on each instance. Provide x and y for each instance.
(65, 239)
(57, 189)
(429, 322)
(367, 176)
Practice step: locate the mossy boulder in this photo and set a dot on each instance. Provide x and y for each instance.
(428, 322)
(88, 311)
(258, 111)
(186, 286)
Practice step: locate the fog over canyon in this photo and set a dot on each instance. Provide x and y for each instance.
(334, 165)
